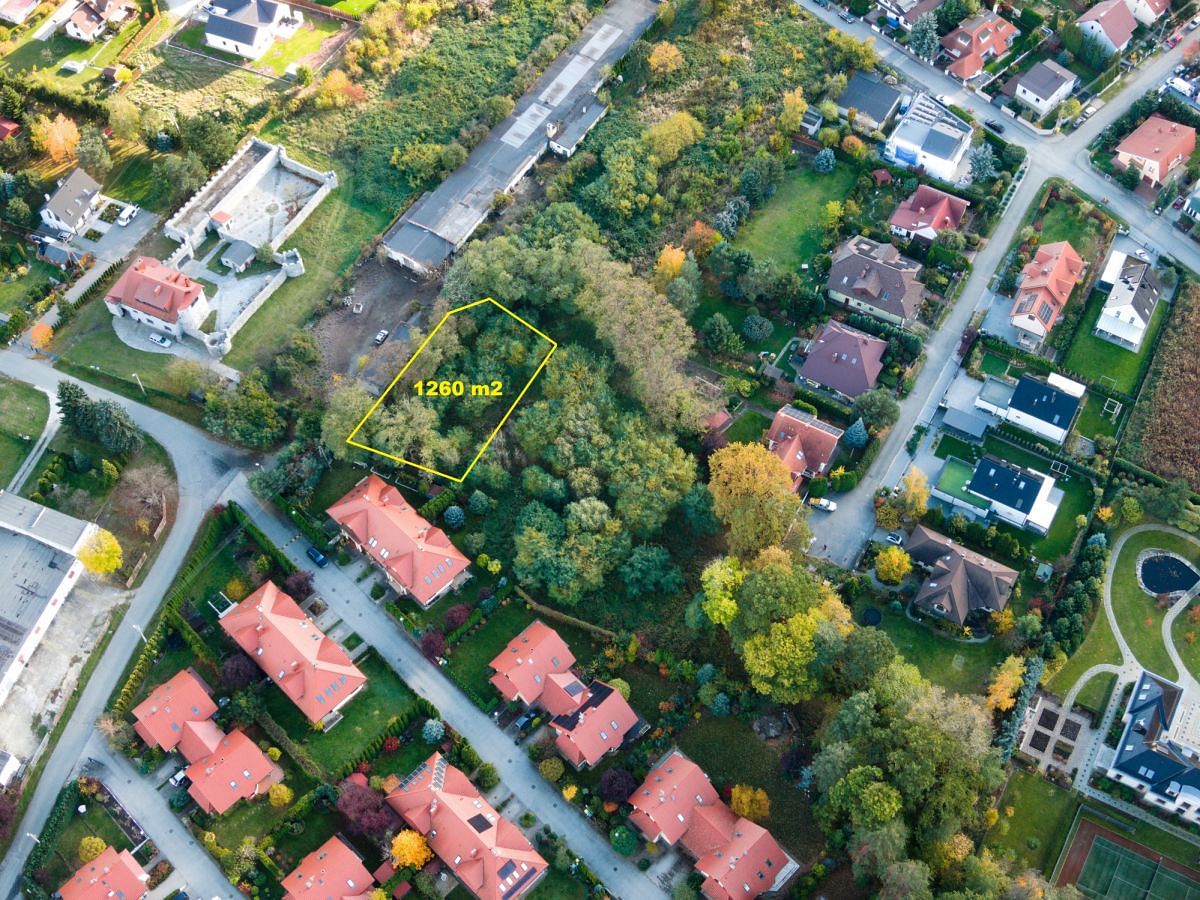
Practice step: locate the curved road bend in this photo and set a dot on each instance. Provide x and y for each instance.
(203, 467)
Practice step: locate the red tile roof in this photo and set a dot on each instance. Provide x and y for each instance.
(236, 770)
(8, 128)
(930, 208)
(415, 554)
(974, 41)
(1114, 19)
(112, 874)
(595, 728)
(662, 806)
(87, 19)
(803, 442)
(486, 852)
(161, 719)
(1160, 140)
(313, 670)
(523, 667)
(331, 872)
(1047, 284)
(157, 290)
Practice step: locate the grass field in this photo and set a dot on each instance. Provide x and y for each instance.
(1094, 356)
(1062, 222)
(1100, 646)
(1042, 814)
(49, 56)
(948, 445)
(1138, 618)
(132, 178)
(63, 862)
(747, 428)
(304, 43)
(1093, 421)
(23, 410)
(786, 229)
(712, 303)
(557, 885)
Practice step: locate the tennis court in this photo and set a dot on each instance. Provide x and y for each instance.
(1112, 872)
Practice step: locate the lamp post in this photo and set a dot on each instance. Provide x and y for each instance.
(141, 634)
(139, 381)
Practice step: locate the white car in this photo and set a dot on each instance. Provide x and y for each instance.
(127, 215)
(943, 99)
(823, 503)
(160, 340)
(1142, 254)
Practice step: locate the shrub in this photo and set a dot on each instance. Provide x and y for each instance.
(487, 776)
(433, 731)
(90, 847)
(433, 644)
(551, 769)
(280, 795)
(455, 616)
(756, 328)
(454, 516)
(623, 840)
(479, 503)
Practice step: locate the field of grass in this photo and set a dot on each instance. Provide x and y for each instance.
(49, 56)
(303, 43)
(1042, 815)
(132, 178)
(557, 885)
(1093, 421)
(955, 476)
(1090, 355)
(1137, 616)
(786, 228)
(747, 428)
(949, 445)
(1100, 646)
(730, 752)
(712, 303)
(1062, 222)
(23, 410)
(64, 861)
(991, 364)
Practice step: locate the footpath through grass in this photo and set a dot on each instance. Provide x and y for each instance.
(1100, 646)
(23, 410)
(1042, 814)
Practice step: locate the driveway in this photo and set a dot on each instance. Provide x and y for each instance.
(339, 590)
(204, 467)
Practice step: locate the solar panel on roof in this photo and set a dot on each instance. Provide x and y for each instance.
(479, 822)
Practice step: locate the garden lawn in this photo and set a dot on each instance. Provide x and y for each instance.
(1062, 222)
(730, 753)
(12, 293)
(364, 718)
(65, 860)
(1093, 421)
(712, 303)
(1137, 616)
(949, 445)
(786, 229)
(1095, 357)
(1100, 646)
(132, 177)
(991, 364)
(305, 42)
(557, 885)
(257, 817)
(319, 825)
(1042, 815)
(23, 410)
(959, 667)
(747, 428)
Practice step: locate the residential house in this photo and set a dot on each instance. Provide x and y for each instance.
(236, 769)
(58, 253)
(975, 41)
(804, 443)
(71, 207)
(903, 14)
(599, 722)
(247, 28)
(843, 360)
(1132, 299)
(1045, 408)
(1045, 286)
(926, 212)
(159, 296)
(486, 852)
(535, 665)
(416, 557)
(17, 11)
(334, 871)
(238, 255)
(1158, 754)
(738, 859)
(1111, 23)
(1148, 11)
(876, 279)
(1045, 86)
(114, 873)
(1157, 148)
(177, 711)
(312, 669)
(1019, 496)
(92, 17)
(929, 138)
(8, 128)
(961, 582)
(874, 103)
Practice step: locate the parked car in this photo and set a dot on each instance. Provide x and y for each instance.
(318, 557)
(381, 336)
(1178, 204)
(1158, 210)
(895, 537)
(943, 99)
(846, 17)
(525, 718)
(127, 215)
(1142, 254)
(1173, 40)
(156, 338)
(823, 503)
(995, 126)
(1194, 24)
(179, 777)
(824, 4)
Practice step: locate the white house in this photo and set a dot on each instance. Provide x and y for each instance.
(17, 11)
(1045, 408)
(71, 207)
(249, 27)
(1148, 11)
(159, 296)
(931, 138)
(91, 17)
(1110, 22)
(1021, 497)
(1045, 86)
(1130, 305)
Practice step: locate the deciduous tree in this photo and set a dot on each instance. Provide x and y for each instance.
(1006, 682)
(892, 564)
(92, 153)
(363, 809)
(752, 495)
(101, 553)
(750, 802)
(91, 846)
(280, 795)
(410, 849)
(878, 408)
(914, 492)
(665, 59)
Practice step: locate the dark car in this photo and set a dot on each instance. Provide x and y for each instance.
(994, 126)
(846, 17)
(318, 557)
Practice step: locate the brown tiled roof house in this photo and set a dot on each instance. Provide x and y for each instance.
(876, 279)
(960, 581)
(844, 360)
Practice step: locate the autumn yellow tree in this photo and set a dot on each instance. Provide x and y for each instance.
(409, 848)
(950, 853)
(892, 564)
(90, 847)
(101, 553)
(854, 147)
(700, 239)
(1006, 681)
(670, 263)
(914, 495)
(39, 335)
(62, 137)
(665, 59)
(794, 108)
(672, 136)
(750, 802)
(1105, 514)
(1003, 621)
(752, 494)
(280, 795)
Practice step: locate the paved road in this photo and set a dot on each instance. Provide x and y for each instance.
(354, 605)
(53, 421)
(203, 467)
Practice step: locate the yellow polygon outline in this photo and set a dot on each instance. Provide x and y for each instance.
(459, 479)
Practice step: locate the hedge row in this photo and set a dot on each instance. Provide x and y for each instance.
(47, 843)
(396, 725)
(869, 453)
(299, 755)
(458, 633)
(826, 406)
(438, 505)
(277, 556)
(485, 704)
(192, 638)
(1006, 737)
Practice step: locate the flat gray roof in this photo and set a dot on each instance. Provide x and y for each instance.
(48, 526)
(32, 573)
(443, 219)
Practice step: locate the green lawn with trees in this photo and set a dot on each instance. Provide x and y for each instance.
(1042, 815)
(23, 411)
(786, 229)
(1138, 616)
(1100, 359)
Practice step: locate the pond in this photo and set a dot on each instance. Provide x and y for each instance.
(1162, 573)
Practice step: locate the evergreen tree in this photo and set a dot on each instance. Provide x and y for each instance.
(856, 436)
(924, 37)
(76, 409)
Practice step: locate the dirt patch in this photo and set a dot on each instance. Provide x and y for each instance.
(390, 297)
